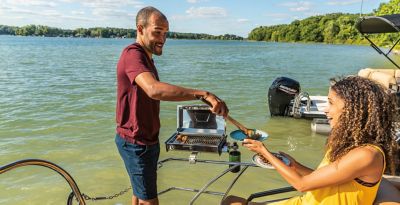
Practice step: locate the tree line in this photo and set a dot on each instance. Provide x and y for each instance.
(330, 28)
(99, 32)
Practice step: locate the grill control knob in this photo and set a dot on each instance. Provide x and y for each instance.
(193, 157)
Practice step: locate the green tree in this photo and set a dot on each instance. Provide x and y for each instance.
(330, 32)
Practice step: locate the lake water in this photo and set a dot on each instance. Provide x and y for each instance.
(57, 101)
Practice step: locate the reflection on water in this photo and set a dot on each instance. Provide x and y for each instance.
(57, 101)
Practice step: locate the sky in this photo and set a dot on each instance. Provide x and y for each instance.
(214, 17)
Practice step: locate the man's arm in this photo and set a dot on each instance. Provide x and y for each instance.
(163, 91)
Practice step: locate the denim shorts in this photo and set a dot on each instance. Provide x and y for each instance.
(141, 165)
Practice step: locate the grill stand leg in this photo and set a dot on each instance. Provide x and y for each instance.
(233, 182)
(244, 164)
(211, 182)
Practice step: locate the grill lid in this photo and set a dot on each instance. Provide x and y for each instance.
(199, 120)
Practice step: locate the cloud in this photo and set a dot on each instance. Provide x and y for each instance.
(277, 16)
(91, 4)
(109, 3)
(30, 3)
(77, 12)
(53, 13)
(195, 1)
(206, 12)
(77, 18)
(313, 14)
(280, 17)
(69, 13)
(301, 8)
(109, 12)
(49, 14)
(343, 3)
(298, 6)
(178, 17)
(45, 13)
(243, 20)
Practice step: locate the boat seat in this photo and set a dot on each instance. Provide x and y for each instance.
(388, 194)
(388, 78)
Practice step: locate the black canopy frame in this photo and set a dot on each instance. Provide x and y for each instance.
(380, 24)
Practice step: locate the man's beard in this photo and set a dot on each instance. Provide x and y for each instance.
(154, 50)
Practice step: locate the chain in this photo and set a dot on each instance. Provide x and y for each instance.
(86, 197)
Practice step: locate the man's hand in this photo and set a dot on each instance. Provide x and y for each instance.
(218, 106)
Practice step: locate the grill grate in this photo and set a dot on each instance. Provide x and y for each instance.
(198, 140)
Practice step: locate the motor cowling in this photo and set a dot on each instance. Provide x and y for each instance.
(280, 93)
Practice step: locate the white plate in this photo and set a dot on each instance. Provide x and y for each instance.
(259, 162)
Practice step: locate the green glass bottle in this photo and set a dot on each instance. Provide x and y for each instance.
(234, 156)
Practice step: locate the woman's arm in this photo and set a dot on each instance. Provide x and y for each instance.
(360, 162)
(296, 166)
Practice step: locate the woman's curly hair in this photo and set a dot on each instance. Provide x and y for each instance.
(368, 117)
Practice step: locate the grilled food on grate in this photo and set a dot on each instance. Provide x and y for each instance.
(206, 140)
(182, 138)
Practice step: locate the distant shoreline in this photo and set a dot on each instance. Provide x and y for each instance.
(100, 32)
(121, 38)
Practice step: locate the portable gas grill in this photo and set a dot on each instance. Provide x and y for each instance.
(198, 129)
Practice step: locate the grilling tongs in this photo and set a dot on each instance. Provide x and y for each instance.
(250, 133)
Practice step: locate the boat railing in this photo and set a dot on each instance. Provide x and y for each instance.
(80, 197)
(296, 109)
(50, 165)
(271, 192)
(193, 160)
(223, 194)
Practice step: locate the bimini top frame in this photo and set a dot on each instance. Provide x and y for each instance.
(377, 25)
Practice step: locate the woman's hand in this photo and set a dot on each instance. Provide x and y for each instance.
(254, 145)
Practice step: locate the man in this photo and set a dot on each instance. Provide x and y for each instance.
(138, 104)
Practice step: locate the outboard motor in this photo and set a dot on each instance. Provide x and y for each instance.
(280, 93)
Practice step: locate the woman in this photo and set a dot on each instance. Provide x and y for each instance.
(359, 147)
